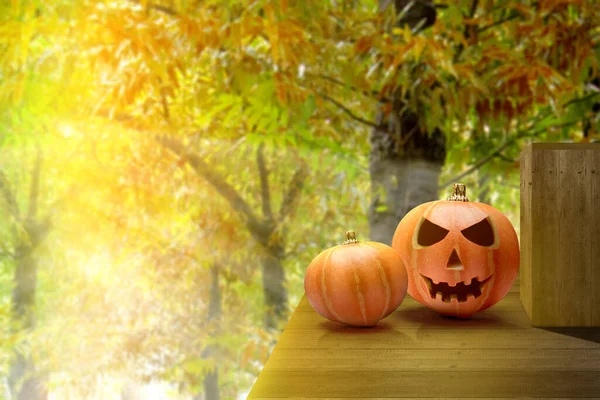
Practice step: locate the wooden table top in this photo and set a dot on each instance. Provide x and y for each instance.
(416, 353)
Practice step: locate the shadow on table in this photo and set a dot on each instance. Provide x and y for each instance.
(588, 334)
(384, 334)
(428, 318)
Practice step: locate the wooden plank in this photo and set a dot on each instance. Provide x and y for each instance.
(420, 398)
(366, 384)
(593, 158)
(393, 338)
(434, 360)
(525, 230)
(572, 276)
(544, 208)
(560, 235)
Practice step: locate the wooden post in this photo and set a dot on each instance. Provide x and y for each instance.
(560, 234)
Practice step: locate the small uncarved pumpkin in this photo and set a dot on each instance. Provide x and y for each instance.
(462, 257)
(356, 283)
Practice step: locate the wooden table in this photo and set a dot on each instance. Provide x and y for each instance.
(415, 353)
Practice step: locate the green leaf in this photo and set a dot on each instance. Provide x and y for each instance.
(198, 366)
(381, 208)
(307, 108)
(454, 15)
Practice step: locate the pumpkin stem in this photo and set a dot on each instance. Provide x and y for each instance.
(459, 193)
(350, 237)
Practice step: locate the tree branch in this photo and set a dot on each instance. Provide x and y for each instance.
(499, 150)
(466, 32)
(373, 93)
(264, 183)
(42, 229)
(293, 192)
(499, 22)
(34, 190)
(504, 158)
(8, 195)
(347, 110)
(158, 7)
(581, 99)
(473, 9)
(478, 164)
(256, 227)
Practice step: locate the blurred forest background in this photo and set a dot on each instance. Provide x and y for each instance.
(168, 169)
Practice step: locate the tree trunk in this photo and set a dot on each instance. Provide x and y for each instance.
(24, 382)
(274, 288)
(403, 183)
(211, 380)
(131, 390)
(484, 193)
(405, 162)
(262, 229)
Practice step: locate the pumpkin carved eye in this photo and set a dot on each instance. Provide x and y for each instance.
(482, 233)
(430, 233)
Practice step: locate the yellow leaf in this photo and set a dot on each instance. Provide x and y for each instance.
(363, 45)
(264, 354)
(19, 89)
(248, 353)
(418, 48)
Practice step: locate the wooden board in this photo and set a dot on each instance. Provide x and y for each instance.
(525, 230)
(463, 384)
(593, 162)
(560, 234)
(531, 359)
(420, 398)
(416, 353)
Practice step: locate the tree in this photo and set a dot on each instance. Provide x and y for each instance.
(266, 230)
(23, 380)
(469, 77)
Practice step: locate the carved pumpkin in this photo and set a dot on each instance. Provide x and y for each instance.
(356, 283)
(461, 257)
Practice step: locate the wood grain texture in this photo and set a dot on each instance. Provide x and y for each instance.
(435, 360)
(472, 384)
(593, 169)
(525, 230)
(560, 240)
(416, 353)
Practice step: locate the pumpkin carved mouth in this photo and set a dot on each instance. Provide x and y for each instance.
(461, 291)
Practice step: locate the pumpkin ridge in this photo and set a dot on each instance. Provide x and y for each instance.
(361, 298)
(326, 298)
(386, 284)
(384, 280)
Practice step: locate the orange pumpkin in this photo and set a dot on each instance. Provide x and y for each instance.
(356, 283)
(462, 257)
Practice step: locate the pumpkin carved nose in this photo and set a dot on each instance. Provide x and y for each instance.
(454, 262)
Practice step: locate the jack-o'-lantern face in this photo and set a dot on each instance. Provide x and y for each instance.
(461, 257)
